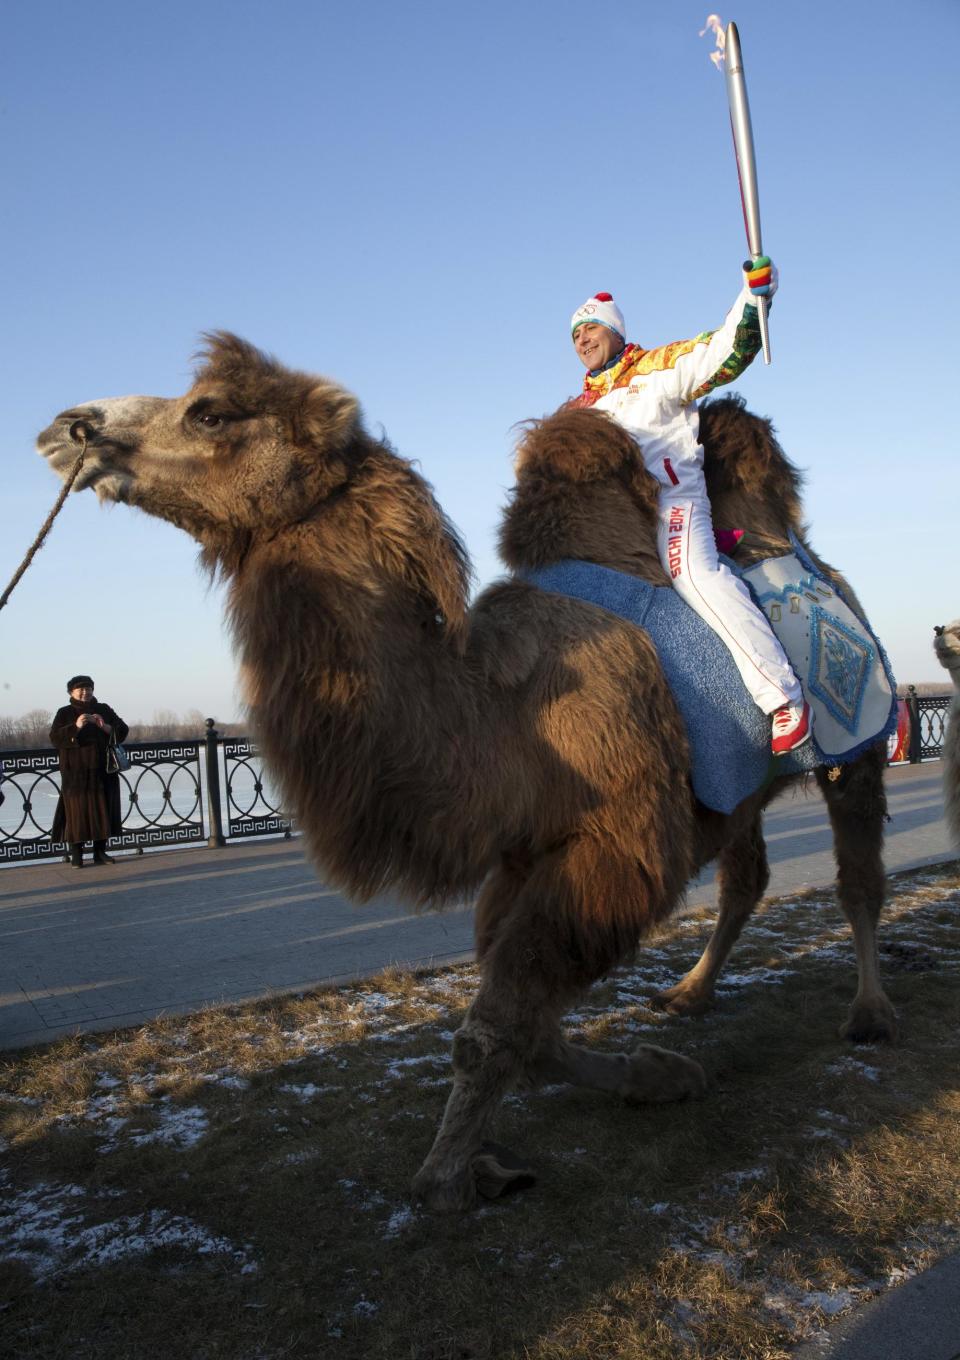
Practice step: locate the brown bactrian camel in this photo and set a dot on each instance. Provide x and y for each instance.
(526, 748)
(946, 644)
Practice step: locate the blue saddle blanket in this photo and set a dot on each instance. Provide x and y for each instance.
(840, 664)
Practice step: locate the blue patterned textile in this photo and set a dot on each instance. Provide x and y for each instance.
(840, 664)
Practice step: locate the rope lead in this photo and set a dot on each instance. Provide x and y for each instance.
(46, 526)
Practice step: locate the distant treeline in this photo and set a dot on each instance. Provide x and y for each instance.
(33, 728)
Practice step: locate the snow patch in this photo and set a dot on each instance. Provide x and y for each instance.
(43, 1228)
(844, 1066)
(398, 1221)
(829, 1303)
(308, 1091)
(180, 1126)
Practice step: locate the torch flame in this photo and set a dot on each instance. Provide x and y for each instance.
(714, 25)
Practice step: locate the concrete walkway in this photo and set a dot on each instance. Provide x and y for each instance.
(172, 931)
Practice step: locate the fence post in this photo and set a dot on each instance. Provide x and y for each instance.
(216, 840)
(913, 709)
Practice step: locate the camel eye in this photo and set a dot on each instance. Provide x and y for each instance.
(204, 415)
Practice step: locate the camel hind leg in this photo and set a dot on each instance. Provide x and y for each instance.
(857, 806)
(576, 913)
(742, 877)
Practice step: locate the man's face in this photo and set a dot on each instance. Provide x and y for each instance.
(596, 344)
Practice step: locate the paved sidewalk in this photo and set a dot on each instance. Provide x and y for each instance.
(172, 931)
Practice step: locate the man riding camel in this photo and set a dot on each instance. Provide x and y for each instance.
(653, 394)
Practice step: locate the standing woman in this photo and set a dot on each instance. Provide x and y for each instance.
(89, 806)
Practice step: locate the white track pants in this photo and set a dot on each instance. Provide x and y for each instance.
(688, 551)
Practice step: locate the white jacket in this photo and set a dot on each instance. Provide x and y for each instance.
(653, 393)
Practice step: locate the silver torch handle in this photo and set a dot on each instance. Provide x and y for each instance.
(746, 162)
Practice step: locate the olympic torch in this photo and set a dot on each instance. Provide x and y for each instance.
(746, 161)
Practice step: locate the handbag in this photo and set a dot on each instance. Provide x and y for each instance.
(117, 758)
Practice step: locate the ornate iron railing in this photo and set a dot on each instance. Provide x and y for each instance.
(170, 795)
(213, 790)
(928, 723)
(30, 788)
(250, 811)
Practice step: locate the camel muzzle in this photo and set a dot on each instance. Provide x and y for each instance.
(68, 433)
(110, 426)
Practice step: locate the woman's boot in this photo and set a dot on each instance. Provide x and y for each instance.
(76, 854)
(100, 855)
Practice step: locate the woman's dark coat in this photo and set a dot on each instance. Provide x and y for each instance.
(89, 806)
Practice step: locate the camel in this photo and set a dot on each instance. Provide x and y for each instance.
(525, 749)
(946, 644)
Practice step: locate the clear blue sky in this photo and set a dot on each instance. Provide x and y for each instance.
(413, 199)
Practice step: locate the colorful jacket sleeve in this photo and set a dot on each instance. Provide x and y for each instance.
(720, 356)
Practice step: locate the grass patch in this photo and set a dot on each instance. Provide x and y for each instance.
(233, 1185)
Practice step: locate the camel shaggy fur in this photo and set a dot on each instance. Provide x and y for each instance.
(526, 749)
(946, 644)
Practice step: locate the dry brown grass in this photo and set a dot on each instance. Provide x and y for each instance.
(233, 1186)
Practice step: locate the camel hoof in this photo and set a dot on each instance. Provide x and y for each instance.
(655, 1075)
(679, 1000)
(445, 1194)
(498, 1171)
(491, 1172)
(870, 1023)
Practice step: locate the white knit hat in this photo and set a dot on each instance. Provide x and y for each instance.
(603, 311)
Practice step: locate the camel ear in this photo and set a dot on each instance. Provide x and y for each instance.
(328, 418)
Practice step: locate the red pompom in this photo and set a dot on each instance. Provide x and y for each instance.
(603, 297)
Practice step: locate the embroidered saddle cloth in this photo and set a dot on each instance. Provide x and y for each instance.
(839, 662)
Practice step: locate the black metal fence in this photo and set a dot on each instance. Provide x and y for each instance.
(212, 790)
(206, 791)
(928, 721)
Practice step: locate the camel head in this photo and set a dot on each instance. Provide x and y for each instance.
(251, 446)
(946, 644)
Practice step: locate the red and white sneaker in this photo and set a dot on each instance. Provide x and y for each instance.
(791, 728)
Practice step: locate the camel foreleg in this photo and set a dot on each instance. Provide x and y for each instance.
(558, 928)
(647, 1075)
(489, 1059)
(493, 1045)
(461, 1164)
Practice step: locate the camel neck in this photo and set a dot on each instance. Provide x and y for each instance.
(357, 692)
